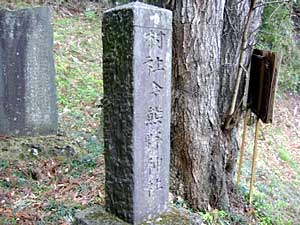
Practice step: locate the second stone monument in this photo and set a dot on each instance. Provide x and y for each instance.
(137, 58)
(27, 73)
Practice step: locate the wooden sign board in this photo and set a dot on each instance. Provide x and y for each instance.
(263, 83)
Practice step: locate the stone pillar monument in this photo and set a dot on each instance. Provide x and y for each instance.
(137, 44)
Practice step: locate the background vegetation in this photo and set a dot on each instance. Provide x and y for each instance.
(280, 33)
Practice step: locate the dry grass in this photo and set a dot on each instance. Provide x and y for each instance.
(278, 168)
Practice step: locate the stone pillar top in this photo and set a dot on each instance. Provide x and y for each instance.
(36, 8)
(147, 15)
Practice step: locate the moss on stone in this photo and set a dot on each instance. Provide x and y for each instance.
(97, 215)
(32, 146)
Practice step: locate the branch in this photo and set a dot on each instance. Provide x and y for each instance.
(241, 61)
(273, 2)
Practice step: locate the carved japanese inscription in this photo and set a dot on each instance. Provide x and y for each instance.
(137, 88)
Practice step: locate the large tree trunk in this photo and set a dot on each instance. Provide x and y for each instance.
(207, 46)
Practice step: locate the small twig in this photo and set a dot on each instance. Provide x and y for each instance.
(273, 2)
(275, 10)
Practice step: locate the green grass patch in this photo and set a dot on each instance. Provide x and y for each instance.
(220, 217)
(86, 163)
(4, 164)
(59, 211)
(78, 53)
(5, 184)
(8, 221)
(283, 154)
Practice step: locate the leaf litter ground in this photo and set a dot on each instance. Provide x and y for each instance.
(43, 180)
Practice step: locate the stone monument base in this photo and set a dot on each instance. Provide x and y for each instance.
(98, 216)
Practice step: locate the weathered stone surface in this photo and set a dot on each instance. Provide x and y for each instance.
(137, 91)
(97, 216)
(27, 73)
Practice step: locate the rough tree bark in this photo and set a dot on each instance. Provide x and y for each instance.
(207, 44)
